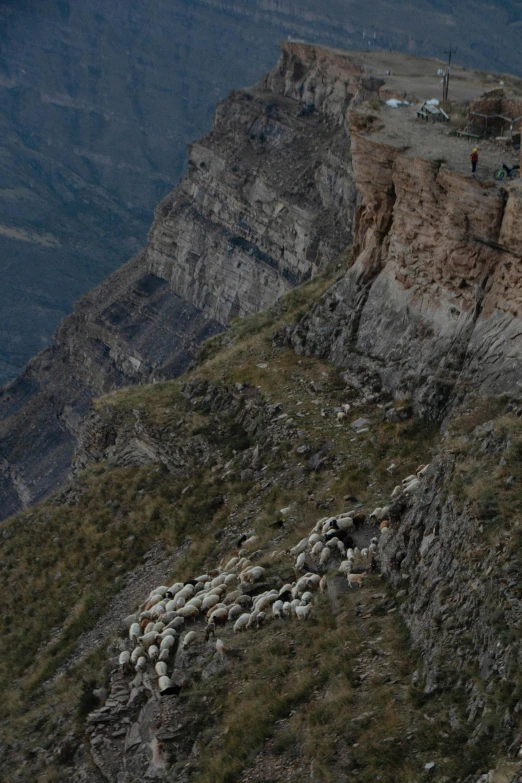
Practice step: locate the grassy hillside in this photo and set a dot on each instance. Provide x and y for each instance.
(334, 696)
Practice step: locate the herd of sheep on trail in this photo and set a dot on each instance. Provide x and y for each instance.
(222, 595)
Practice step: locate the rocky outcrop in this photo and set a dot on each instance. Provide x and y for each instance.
(431, 302)
(267, 202)
(458, 573)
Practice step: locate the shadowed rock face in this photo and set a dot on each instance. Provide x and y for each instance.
(267, 202)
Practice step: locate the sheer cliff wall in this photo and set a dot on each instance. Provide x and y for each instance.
(266, 203)
(432, 302)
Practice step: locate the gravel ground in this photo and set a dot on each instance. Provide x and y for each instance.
(431, 141)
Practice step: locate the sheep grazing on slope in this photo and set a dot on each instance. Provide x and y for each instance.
(242, 622)
(165, 685)
(413, 486)
(234, 612)
(189, 639)
(277, 608)
(220, 647)
(141, 664)
(134, 632)
(124, 659)
(325, 556)
(153, 652)
(300, 547)
(167, 643)
(161, 668)
(136, 653)
(303, 612)
(300, 562)
(355, 579)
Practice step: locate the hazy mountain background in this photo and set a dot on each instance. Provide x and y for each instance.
(99, 99)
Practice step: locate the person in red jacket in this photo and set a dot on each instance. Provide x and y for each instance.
(474, 160)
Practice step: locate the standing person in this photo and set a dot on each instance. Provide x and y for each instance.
(474, 160)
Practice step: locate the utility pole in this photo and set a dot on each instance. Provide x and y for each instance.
(449, 52)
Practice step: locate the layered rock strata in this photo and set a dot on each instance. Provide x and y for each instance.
(432, 302)
(267, 202)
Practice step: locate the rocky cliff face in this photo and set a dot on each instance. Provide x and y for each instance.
(430, 305)
(266, 203)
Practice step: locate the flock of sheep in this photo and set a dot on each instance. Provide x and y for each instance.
(225, 594)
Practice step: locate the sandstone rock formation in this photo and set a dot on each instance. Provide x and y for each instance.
(431, 303)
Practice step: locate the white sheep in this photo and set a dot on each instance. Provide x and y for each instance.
(307, 597)
(277, 609)
(325, 556)
(287, 609)
(147, 640)
(189, 639)
(234, 612)
(303, 612)
(424, 470)
(153, 652)
(346, 567)
(364, 553)
(314, 539)
(323, 584)
(164, 684)
(294, 604)
(412, 486)
(164, 655)
(266, 600)
(136, 653)
(188, 611)
(134, 632)
(124, 658)
(175, 589)
(317, 548)
(408, 479)
(242, 622)
(314, 581)
(345, 523)
(251, 542)
(208, 601)
(232, 563)
(141, 664)
(341, 548)
(341, 416)
(300, 547)
(168, 632)
(396, 492)
(300, 562)
(161, 668)
(230, 579)
(168, 643)
(332, 542)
